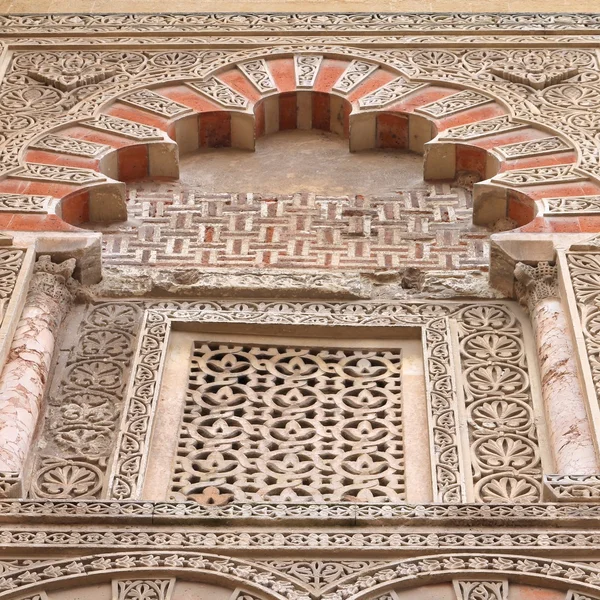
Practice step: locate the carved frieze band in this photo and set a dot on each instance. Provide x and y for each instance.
(222, 538)
(283, 583)
(180, 23)
(97, 511)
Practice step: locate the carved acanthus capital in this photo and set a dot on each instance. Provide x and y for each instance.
(535, 284)
(52, 286)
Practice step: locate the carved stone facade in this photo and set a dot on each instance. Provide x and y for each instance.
(323, 394)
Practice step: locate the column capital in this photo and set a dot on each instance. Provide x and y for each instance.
(52, 282)
(535, 284)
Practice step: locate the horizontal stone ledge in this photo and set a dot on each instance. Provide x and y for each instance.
(144, 512)
(402, 542)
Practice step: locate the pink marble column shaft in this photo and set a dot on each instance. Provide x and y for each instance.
(568, 423)
(25, 374)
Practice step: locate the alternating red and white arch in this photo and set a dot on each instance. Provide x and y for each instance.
(80, 168)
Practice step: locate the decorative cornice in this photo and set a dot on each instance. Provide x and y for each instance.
(312, 22)
(154, 538)
(190, 513)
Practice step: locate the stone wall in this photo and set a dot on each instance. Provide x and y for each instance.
(293, 394)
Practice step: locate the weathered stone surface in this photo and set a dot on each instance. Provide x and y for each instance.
(344, 345)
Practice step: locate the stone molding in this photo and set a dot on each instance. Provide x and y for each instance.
(359, 40)
(276, 581)
(140, 512)
(266, 22)
(572, 488)
(223, 539)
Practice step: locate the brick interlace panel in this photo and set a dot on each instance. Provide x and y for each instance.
(428, 228)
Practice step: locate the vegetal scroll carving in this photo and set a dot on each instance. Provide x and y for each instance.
(505, 454)
(481, 590)
(530, 68)
(143, 589)
(83, 415)
(74, 70)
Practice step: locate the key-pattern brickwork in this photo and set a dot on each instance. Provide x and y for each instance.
(430, 228)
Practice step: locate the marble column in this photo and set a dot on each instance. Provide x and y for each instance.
(568, 424)
(25, 374)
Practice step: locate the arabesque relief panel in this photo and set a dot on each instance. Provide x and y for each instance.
(478, 367)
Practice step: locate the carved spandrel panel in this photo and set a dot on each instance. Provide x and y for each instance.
(288, 423)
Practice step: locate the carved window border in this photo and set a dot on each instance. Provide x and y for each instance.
(439, 322)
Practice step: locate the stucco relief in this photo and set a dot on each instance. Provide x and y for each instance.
(499, 402)
(491, 460)
(470, 576)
